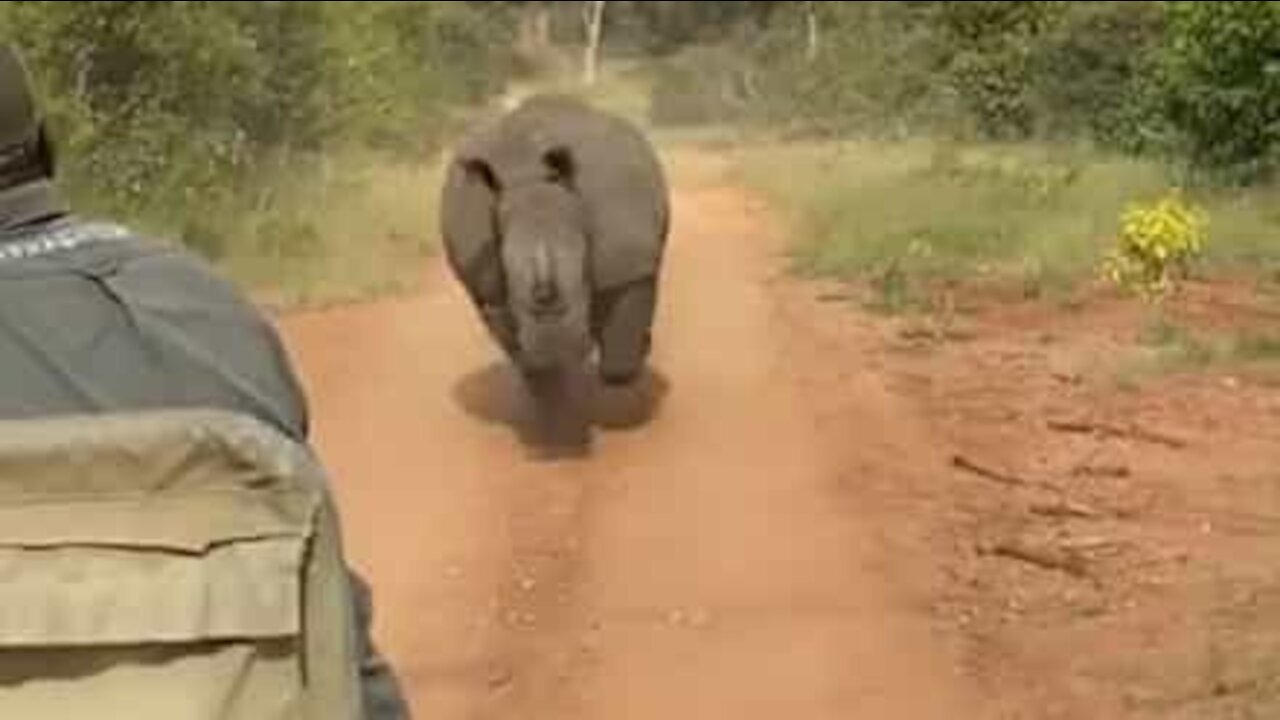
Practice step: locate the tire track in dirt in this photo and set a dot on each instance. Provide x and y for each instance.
(703, 564)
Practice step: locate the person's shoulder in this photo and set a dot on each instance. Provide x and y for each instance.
(162, 255)
(166, 277)
(152, 268)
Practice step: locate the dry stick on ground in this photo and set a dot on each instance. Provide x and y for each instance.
(1044, 557)
(1066, 557)
(1101, 471)
(1064, 508)
(999, 476)
(1132, 432)
(987, 473)
(1089, 467)
(1093, 543)
(1060, 506)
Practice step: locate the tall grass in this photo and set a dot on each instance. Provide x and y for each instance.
(359, 226)
(905, 215)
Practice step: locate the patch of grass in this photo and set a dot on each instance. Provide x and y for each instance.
(1244, 230)
(906, 215)
(1178, 348)
(356, 226)
(1166, 346)
(622, 87)
(1256, 347)
(699, 86)
(1160, 332)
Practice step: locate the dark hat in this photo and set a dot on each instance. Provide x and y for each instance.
(19, 118)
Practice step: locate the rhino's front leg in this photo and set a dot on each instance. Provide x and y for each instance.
(623, 329)
(501, 324)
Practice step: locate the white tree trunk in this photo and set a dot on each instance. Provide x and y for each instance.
(535, 28)
(811, 23)
(593, 19)
(542, 27)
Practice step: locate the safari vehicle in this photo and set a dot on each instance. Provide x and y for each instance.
(170, 565)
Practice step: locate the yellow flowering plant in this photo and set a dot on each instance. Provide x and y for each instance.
(1157, 244)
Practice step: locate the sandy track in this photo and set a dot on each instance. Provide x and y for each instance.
(715, 561)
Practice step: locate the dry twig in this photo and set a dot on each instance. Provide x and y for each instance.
(1101, 471)
(1004, 478)
(1133, 432)
(1041, 556)
(1063, 508)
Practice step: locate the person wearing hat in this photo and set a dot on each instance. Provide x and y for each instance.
(95, 319)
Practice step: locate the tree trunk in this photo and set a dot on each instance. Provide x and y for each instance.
(535, 28)
(542, 27)
(593, 19)
(811, 23)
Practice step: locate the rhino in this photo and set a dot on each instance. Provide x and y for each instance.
(554, 218)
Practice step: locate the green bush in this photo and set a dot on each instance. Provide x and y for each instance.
(871, 74)
(1220, 78)
(893, 68)
(178, 116)
(1193, 81)
(1091, 74)
(699, 86)
(991, 46)
(909, 217)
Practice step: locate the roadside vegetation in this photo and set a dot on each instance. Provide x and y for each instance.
(292, 143)
(910, 143)
(926, 149)
(1013, 133)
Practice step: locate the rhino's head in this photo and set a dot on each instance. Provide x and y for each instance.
(542, 226)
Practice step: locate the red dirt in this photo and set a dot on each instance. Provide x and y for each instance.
(1174, 520)
(779, 530)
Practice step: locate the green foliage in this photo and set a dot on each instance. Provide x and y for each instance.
(1170, 346)
(661, 28)
(700, 86)
(1196, 81)
(991, 46)
(181, 116)
(1257, 346)
(1220, 76)
(1091, 74)
(1177, 347)
(188, 116)
(875, 72)
(351, 226)
(906, 216)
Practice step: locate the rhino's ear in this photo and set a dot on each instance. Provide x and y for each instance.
(480, 170)
(560, 161)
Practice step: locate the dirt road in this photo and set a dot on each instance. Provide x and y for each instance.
(727, 554)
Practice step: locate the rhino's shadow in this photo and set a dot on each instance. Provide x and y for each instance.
(560, 424)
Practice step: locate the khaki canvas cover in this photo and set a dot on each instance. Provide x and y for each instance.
(167, 565)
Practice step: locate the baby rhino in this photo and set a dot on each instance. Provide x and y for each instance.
(555, 218)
